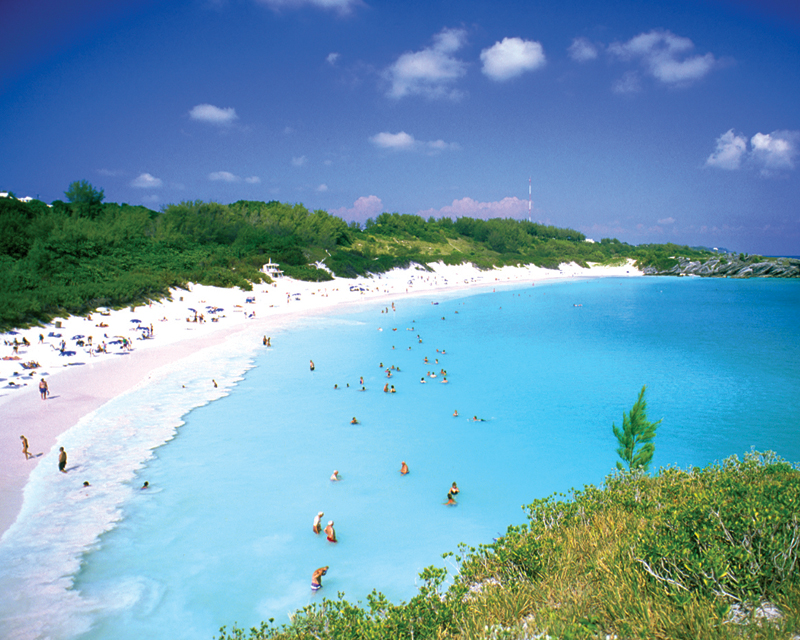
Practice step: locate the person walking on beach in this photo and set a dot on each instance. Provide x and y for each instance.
(330, 532)
(25, 447)
(43, 389)
(62, 460)
(316, 578)
(317, 522)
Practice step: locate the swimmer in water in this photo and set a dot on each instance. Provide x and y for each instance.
(311, 365)
(316, 578)
(386, 387)
(455, 413)
(354, 421)
(146, 485)
(454, 489)
(335, 476)
(444, 381)
(450, 500)
(317, 527)
(422, 380)
(392, 390)
(330, 532)
(403, 468)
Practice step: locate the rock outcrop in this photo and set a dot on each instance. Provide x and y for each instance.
(732, 266)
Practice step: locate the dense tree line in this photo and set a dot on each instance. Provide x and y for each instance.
(75, 255)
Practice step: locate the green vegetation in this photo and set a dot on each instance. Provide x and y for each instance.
(682, 554)
(635, 439)
(71, 257)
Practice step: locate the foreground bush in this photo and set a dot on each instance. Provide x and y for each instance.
(670, 556)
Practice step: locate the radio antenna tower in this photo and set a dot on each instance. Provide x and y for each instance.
(529, 199)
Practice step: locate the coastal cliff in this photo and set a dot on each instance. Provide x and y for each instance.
(731, 266)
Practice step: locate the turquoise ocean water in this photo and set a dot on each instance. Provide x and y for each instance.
(223, 534)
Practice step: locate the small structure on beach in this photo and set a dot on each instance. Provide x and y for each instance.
(272, 270)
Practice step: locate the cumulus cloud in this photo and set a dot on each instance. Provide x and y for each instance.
(505, 208)
(430, 72)
(665, 57)
(729, 152)
(332, 58)
(253, 180)
(628, 83)
(213, 115)
(582, 50)
(770, 153)
(669, 220)
(223, 176)
(775, 151)
(512, 57)
(146, 181)
(363, 208)
(299, 161)
(322, 188)
(340, 6)
(403, 141)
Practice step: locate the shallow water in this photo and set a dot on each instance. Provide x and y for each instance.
(224, 535)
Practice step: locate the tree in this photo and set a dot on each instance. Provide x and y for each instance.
(85, 199)
(636, 432)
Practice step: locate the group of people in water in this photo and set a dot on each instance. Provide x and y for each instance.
(452, 492)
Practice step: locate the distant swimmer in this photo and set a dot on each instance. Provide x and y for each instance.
(146, 485)
(330, 532)
(450, 500)
(25, 447)
(455, 413)
(336, 386)
(454, 489)
(386, 388)
(363, 389)
(404, 468)
(311, 364)
(354, 421)
(316, 578)
(392, 390)
(361, 381)
(317, 528)
(477, 419)
(62, 460)
(86, 483)
(335, 476)
(422, 380)
(444, 381)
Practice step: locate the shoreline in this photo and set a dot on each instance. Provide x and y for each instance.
(81, 383)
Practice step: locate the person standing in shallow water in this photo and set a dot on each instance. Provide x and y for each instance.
(404, 468)
(316, 578)
(311, 365)
(330, 532)
(62, 460)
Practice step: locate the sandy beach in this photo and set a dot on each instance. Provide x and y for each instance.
(128, 344)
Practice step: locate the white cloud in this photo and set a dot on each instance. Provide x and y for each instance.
(403, 141)
(332, 58)
(341, 6)
(322, 188)
(386, 140)
(663, 55)
(223, 176)
(213, 115)
(363, 208)
(253, 180)
(775, 151)
(512, 57)
(505, 208)
(669, 220)
(146, 181)
(729, 152)
(628, 83)
(770, 153)
(582, 50)
(430, 72)
(299, 161)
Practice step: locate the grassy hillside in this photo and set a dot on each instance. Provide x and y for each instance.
(70, 258)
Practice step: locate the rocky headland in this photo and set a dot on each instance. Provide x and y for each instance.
(731, 266)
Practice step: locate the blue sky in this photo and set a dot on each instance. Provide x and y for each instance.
(676, 121)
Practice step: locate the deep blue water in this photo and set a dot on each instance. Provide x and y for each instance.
(224, 533)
